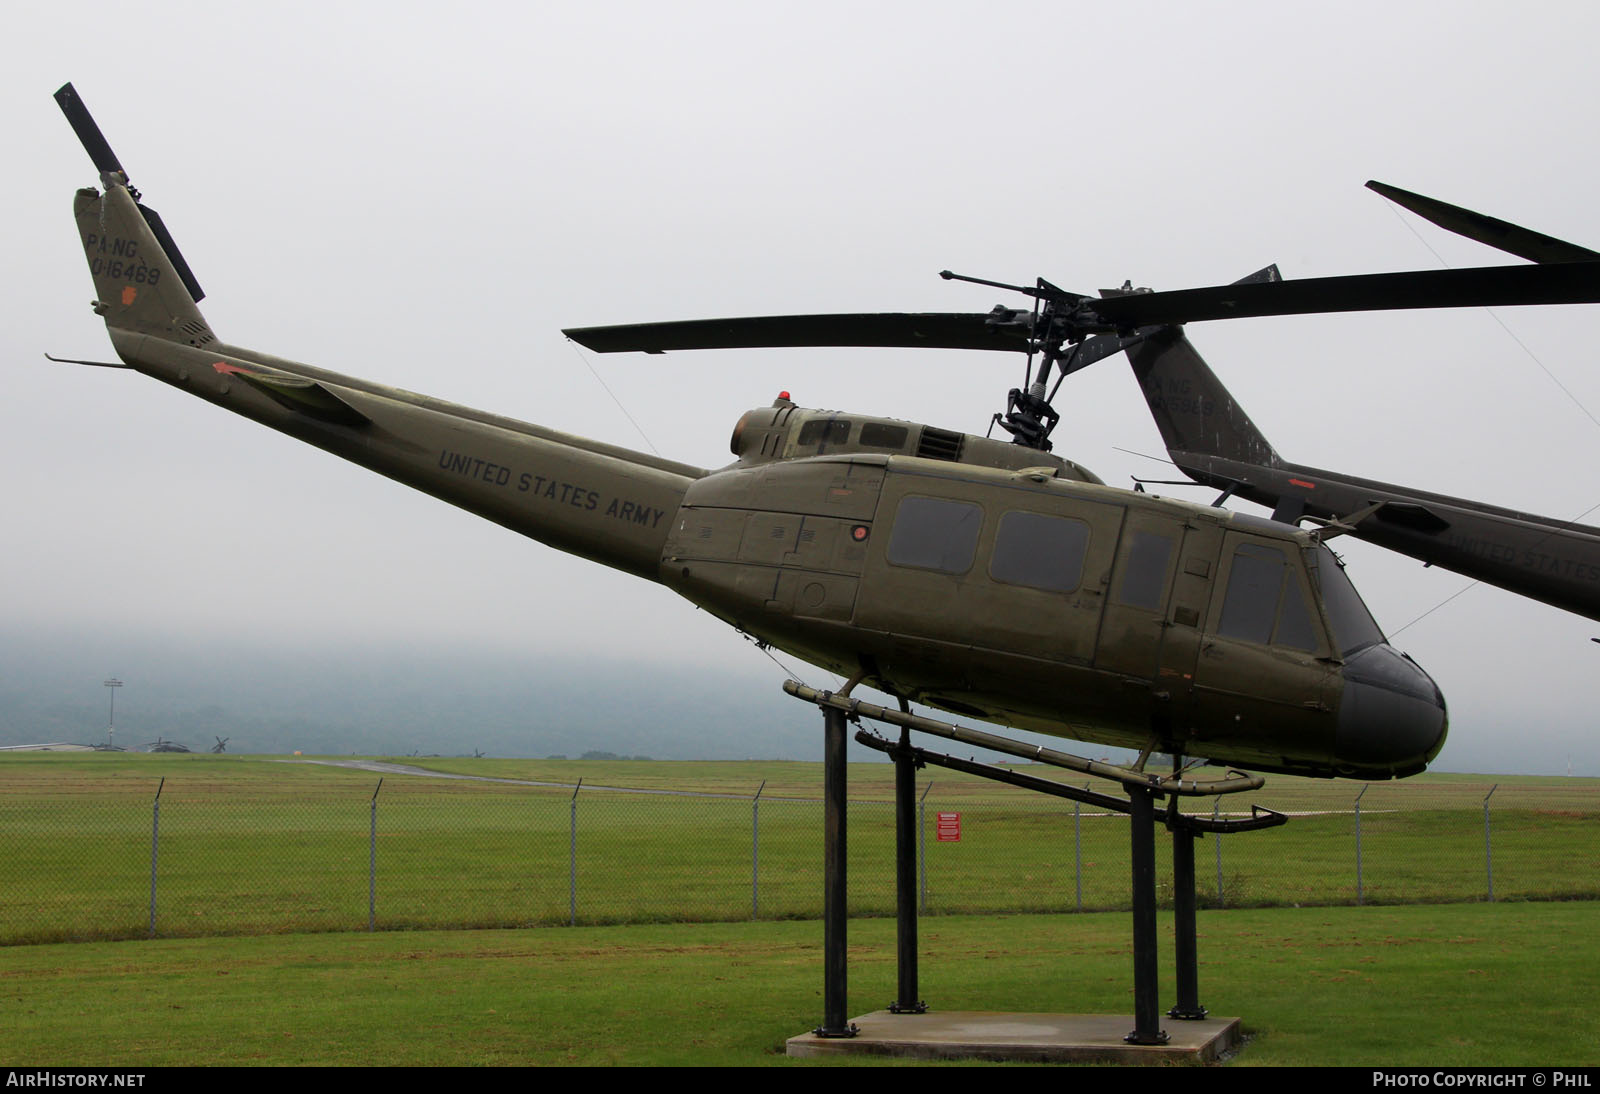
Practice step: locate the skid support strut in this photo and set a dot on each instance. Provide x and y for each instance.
(905, 877)
(1186, 948)
(835, 908)
(1142, 790)
(1146, 984)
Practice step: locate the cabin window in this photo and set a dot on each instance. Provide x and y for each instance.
(879, 435)
(1295, 628)
(1039, 551)
(825, 430)
(1353, 626)
(1144, 573)
(936, 534)
(1264, 603)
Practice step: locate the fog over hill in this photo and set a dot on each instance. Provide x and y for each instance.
(278, 697)
(268, 694)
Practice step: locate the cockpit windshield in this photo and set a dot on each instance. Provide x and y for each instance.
(1353, 626)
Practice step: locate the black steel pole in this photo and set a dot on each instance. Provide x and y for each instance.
(1146, 984)
(905, 860)
(835, 909)
(1183, 921)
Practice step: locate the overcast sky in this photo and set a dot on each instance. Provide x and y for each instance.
(425, 195)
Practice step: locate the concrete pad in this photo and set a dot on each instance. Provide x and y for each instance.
(1046, 1038)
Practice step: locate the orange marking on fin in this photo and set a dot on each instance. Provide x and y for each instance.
(128, 293)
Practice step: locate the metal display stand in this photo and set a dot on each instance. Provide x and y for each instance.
(1142, 789)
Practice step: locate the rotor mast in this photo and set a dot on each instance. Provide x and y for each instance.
(1058, 339)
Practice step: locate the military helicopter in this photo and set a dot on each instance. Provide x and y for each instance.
(1211, 439)
(993, 579)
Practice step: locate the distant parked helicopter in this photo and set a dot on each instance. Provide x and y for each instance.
(991, 579)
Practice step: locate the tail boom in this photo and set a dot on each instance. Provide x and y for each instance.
(599, 501)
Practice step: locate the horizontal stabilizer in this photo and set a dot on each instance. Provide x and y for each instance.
(306, 396)
(1418, 518)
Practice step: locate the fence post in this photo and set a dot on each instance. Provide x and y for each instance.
(155, 843)
(572, 859)
(922, 847)
(1359, 896)
(372, 862)
(1217, 837)
(1488, 852)
(1077, 847)
(755, 852)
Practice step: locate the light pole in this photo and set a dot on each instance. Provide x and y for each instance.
(111, 718)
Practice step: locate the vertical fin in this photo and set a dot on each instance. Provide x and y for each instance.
(137, 286)
(1194, 411)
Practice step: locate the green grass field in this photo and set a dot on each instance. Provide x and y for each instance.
(253, 845)
(1446, 985)
(255, 853)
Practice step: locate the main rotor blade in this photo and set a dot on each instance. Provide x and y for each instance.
(1499, 234)
(1483, 286)
(1001, 329)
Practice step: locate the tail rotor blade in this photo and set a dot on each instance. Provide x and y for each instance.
(89, 135)
(94, 142)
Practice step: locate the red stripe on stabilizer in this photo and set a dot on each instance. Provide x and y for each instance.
(1303, 483)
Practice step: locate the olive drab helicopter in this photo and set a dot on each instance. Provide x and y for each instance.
(985, 577)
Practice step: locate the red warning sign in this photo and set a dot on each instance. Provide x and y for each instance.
(948, 827)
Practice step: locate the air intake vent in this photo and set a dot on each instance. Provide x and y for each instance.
(199, 334)
(939, 444)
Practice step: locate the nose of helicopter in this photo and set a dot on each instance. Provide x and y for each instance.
(1392, 717)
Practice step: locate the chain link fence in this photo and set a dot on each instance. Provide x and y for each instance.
(183, 859)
